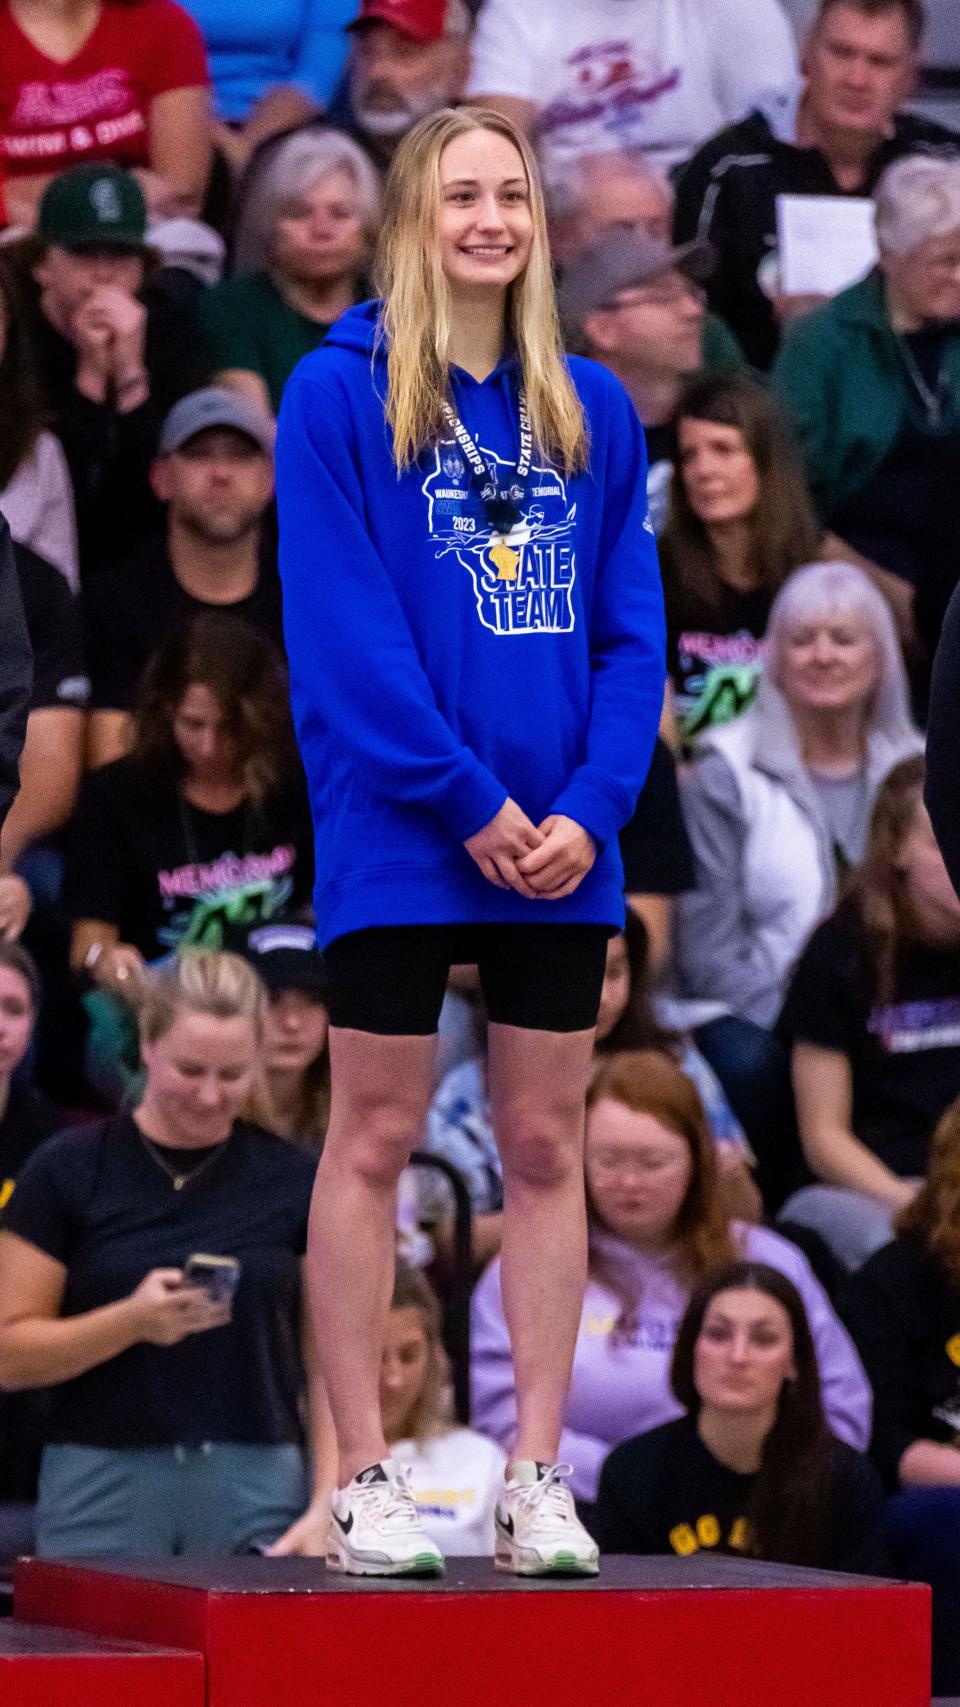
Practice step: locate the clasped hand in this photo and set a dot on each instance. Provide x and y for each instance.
(543, 862)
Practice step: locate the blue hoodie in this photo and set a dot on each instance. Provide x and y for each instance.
(425, 689)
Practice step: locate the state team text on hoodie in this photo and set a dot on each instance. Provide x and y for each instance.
(426, 687)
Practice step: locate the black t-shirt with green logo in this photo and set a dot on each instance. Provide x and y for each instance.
(169, 875)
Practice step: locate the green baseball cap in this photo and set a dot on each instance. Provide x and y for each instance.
(93, 205)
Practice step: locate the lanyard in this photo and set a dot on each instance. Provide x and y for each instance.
(501, 503)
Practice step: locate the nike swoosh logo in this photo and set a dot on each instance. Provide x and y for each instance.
(345, 1526)
(505, 1523)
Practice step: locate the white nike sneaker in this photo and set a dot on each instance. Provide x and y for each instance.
(538, 1531)
(375, 1528)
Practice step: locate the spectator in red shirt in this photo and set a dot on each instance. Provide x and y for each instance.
(92, 80)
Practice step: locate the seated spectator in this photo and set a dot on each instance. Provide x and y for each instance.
(835, 137)
(181, 1403)
(203, 824)
(407, 58)
(657, 79)
(455, 1473)
(739, 521)
(778, 802)
(299, 255)
(903, 1308)
(882, 362)
(873, 1017)
(36, 496)
(752, 1469)
(114, 352)
(460, 1130)
(657, 1225)
(635, 304)
(26, 1118)
(274, 65)
(657, 859)
(51, 763)
(595, 195)
(107, 80)
(214, 473)
(295, 1098)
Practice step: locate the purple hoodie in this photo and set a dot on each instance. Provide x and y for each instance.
(622, 1388)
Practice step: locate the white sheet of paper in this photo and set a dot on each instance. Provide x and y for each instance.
(826, 243)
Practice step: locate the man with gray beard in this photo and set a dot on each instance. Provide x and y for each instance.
(214, 473)
(407, 59)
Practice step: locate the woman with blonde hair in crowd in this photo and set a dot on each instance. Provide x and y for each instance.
(303, 243)
(873, 1020)
(658, 1224)
(903, 1309)
(454, 1473)
(477, 675)
(151, 1277)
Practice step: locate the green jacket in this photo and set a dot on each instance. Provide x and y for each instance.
(842, 375)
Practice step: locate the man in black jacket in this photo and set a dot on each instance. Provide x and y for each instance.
(835, 139)
(16, 677)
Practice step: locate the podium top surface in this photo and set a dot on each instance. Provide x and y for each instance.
(471, 1576)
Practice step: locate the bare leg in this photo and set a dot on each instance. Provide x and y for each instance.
(538, 1083)
(381, 1090)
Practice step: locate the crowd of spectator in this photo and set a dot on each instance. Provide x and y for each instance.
(190, 196)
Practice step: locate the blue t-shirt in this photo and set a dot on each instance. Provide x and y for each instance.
(265, 42)
(428, 684)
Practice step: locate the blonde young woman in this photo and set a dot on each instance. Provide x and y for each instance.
(175, 1423)
(475, 633)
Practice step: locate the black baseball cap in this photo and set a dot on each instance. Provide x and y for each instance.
(285, 954)
(92, 207)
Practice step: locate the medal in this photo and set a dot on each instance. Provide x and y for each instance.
(505, 560)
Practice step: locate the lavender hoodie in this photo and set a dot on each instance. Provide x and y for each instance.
(619, 1389)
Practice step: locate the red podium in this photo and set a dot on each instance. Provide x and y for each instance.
(46, 1667)
(655, 1632)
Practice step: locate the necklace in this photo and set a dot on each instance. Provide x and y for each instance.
(932, 400)
(502, 503)
(179, 1179)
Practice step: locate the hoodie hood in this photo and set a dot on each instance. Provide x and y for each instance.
(356, 329)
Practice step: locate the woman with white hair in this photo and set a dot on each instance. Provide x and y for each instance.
(872, 381)
(778, 802)
(302, 246)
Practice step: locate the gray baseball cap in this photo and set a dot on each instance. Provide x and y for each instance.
(216, 406)
(623, 259)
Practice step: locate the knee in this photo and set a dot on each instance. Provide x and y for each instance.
(375, 1142)
(541, 1144)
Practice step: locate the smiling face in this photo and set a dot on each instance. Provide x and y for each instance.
(829, 663)
(485, 225)
(718, 471)
(199, 1076)
(638, 1172)
(403, 1369)
(744, 1353)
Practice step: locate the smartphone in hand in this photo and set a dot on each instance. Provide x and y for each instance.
(216, 1276)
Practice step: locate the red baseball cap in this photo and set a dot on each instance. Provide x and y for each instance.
(423, 20)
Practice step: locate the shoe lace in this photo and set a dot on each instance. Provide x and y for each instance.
(393, 1504)
(550, 1492)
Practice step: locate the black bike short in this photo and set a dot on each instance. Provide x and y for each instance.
(391, 979)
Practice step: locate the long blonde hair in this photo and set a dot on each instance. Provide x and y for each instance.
(415, 313)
